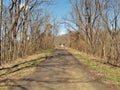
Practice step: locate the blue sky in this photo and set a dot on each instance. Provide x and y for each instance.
(60, 9)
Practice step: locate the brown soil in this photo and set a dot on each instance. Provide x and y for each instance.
(61, 71)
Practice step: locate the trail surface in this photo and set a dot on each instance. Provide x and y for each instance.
(61, 71)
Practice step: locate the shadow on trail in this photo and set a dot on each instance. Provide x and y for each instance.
(52, 73)
(20, 66)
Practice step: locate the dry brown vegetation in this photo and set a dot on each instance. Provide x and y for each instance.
(26, 29)
(109, 74)
(96, 28)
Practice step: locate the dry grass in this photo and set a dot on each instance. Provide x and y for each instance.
(109, 73)
(22, 66)
(27, 58)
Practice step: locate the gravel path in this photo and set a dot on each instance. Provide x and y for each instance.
(61, 71)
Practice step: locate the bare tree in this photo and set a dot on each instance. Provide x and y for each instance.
(24, 24)
(96, 30)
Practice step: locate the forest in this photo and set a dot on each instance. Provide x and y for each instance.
(93, 26)
(26, 29)
(35, 56)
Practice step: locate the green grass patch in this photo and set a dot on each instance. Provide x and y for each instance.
(109, 72)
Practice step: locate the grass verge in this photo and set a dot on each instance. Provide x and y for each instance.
(23, 67)
(111, 74)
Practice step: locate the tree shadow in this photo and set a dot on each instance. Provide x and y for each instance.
(20, 66)
(49, 73)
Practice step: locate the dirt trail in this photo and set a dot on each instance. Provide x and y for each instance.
(61, 71)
